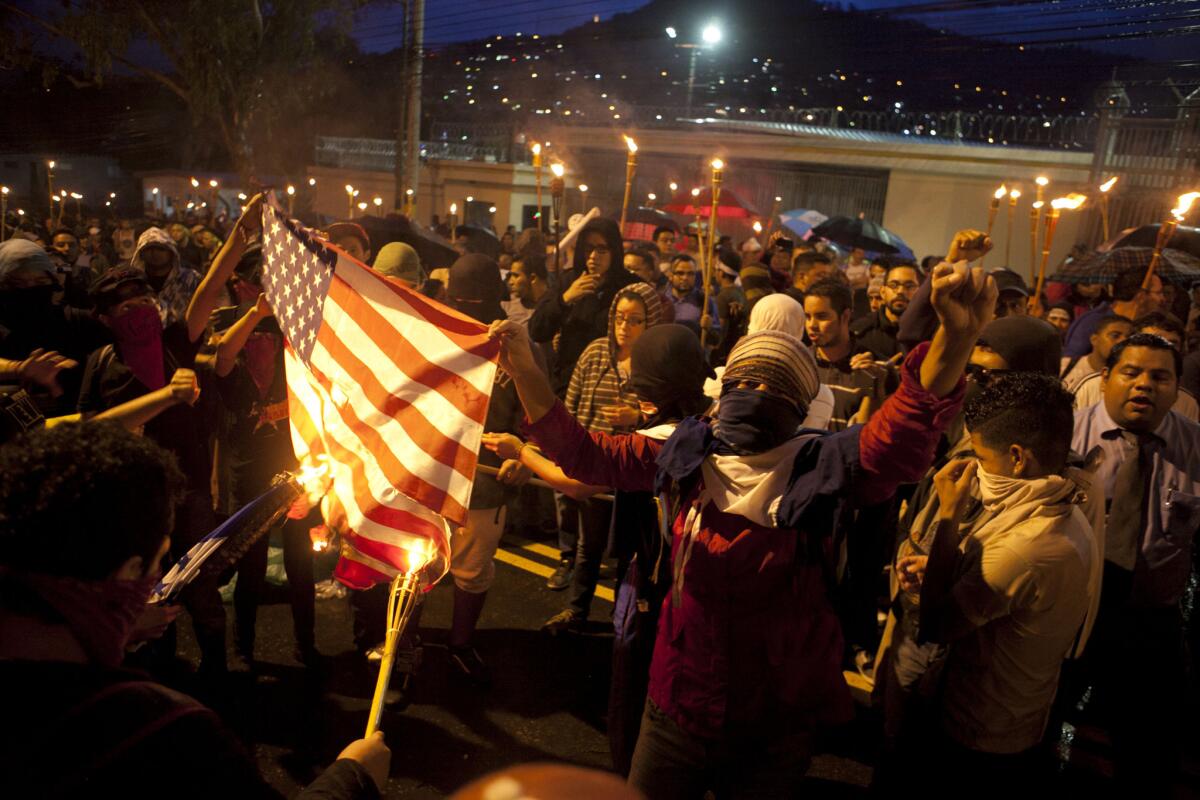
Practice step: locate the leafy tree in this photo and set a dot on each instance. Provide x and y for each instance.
(242, 67)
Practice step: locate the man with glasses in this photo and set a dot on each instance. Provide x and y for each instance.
(877, 332)
(687, 296)
(664, 240)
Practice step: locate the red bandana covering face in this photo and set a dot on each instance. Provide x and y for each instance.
(99, 614)
(139, 341)
(260, 350)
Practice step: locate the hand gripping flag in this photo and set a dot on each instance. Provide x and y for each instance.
(390, 387)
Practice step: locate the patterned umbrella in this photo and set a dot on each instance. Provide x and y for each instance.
(801, 221)
(1175, 266)
(851, 232)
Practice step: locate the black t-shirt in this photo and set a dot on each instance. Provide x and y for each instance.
(257, 431)
(184, 430)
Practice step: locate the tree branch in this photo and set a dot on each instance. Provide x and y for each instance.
(153, 74)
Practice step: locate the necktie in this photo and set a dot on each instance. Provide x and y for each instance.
(1126, 513)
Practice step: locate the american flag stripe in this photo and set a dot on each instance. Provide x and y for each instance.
(415, 424)
(438, 361)
(377, 440)
(463, 410)
(388, 385)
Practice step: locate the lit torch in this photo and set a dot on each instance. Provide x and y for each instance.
(1035, 217)
(583, 190)
(3, 213)
(291, 193)
(557, 194)
(1071, 202)
(630, 169)
(717, 167)
(349, 201)
(699, 233)
(775, 208)
(1105, 188)
(993, 209)
(1013, 197)
(1183, 204)
(537, 178)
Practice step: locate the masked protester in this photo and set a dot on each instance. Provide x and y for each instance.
(173, 283)
(74, 268)
(747, 661)
(141, 359)
(80, 723)
(30, 320)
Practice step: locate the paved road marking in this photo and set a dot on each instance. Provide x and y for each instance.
(537, 568)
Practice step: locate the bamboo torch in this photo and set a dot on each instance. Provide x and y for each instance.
(402, 600)
(993, 209)
(1070, 203)
(1035, 217)
(1166, 230)
(537, 177)
(583, 189)
(349, 201)
(1013, 197)
(717, 167)
(775, 206)
(3, 213)
(558, 189)
(630, 169)
(291, 193)
(1105, 188)
(50, 184)
(699, 234)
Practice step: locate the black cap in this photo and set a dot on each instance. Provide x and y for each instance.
(1009, 281)
(118, 285)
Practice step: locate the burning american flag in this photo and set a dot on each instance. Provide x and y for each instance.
(391, 387)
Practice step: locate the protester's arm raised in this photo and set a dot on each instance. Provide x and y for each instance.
(965, 300)
(209, 290)
(235, 338)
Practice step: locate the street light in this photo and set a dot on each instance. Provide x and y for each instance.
(710, 36)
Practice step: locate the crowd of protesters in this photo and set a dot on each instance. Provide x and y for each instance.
(809, 463)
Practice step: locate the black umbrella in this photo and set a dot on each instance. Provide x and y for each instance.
(433, 250)
(1184, 239)
(851, 232)
(1175, 266)
(652, 216)
(479, 240)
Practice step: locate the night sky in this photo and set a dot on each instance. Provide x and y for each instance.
(380, 26)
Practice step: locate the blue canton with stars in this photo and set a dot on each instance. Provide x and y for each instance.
(297, 270)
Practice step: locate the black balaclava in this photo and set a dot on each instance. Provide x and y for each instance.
(475, 288)
(668, 369)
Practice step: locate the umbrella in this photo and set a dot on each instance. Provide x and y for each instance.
(640, 223)
(480, 240)
(1185, 239)
(801, 221)
(729, 206)
(433, 250)
(851, 232)
(1175, 266)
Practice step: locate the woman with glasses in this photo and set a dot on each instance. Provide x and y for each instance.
(601, 399)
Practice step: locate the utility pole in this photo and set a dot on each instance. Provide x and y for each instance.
(400, 164)
(412, 122)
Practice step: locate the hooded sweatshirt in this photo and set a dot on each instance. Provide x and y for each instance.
(181, 283)
(597, 381)
(585, 320)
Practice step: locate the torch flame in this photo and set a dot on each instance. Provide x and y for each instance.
(1003, 190)
(195, 183)
(1039, 204)
(1184, 204)
(1014, 194)
(718, 165)
(757, 226)
(1042, 180)
(213, 183)
(290, 189)
(311, 474)
(1109, 184)
(630, 143)
(453, 208)
(696, 192)
(1070, 202)
(349, 189)
(558, 169)
(536, 149)
(583, 188)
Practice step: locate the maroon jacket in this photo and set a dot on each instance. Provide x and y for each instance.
(749, 642)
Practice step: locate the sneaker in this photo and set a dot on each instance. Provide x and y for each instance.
(470, 665)
(567, 621)
(561, 578)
